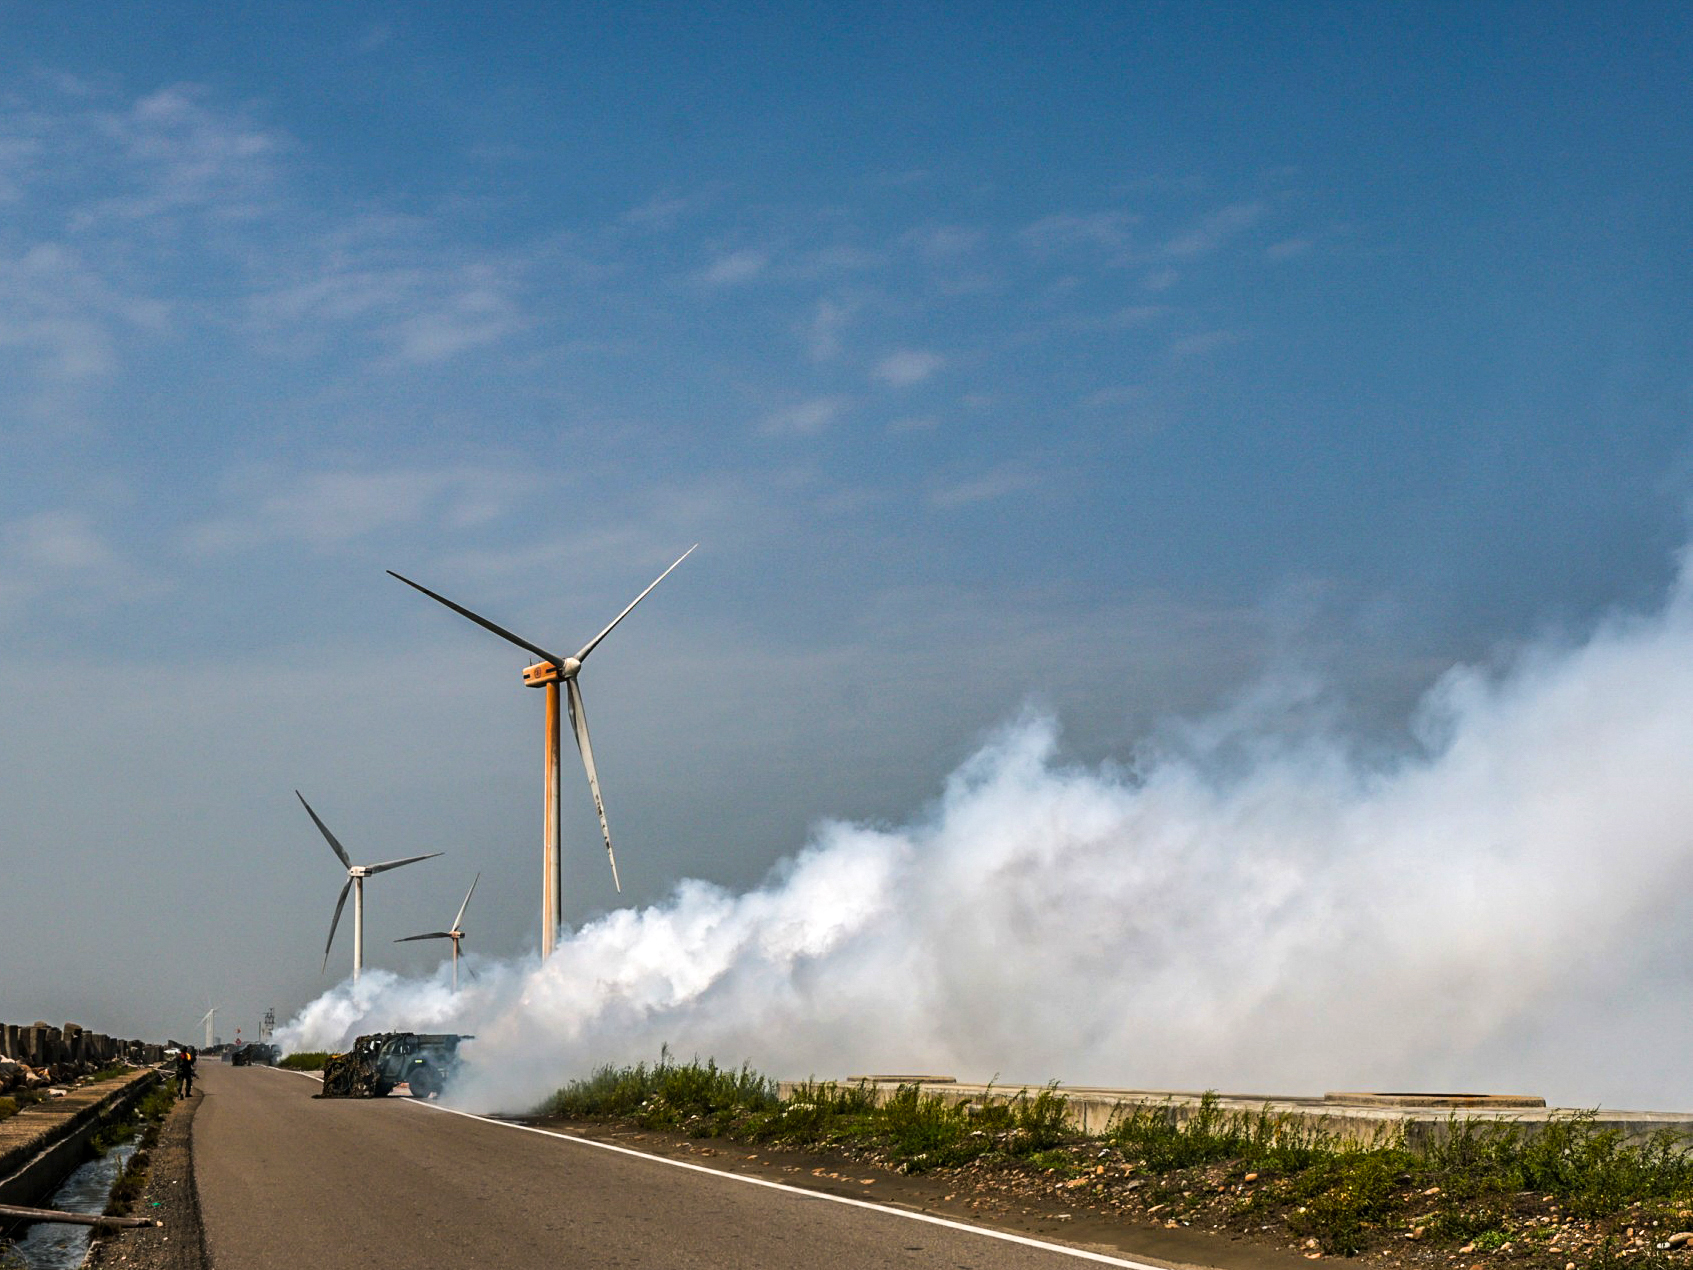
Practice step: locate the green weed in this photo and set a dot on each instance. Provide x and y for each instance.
(700, 1099)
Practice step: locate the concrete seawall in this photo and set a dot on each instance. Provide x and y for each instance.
(1363, 1119)
(43, 1045)
(42, 1144)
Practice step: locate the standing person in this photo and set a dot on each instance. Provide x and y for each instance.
(185, 1071)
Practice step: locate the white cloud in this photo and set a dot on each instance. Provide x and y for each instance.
(1202, 343)
(19, 156)
(664, 211)
(58, 308)
(1068, 231)
(806, 418)
(907, 367)
(1010, 479)
(62, 553)
(945, 242)
(1108, 398)
(1214, 231)
(474, 312)
(914, 423)
(328, 509)
(395, 280)
(56, 541)
(823, 333)
(181, 155)
(375, 36)
(737, 267)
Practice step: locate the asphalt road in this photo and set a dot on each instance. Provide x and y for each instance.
(286, 1181)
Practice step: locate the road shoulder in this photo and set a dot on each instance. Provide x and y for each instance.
(169, 1196)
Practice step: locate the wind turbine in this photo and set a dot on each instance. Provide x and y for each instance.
(454, 933)
(356, 874)
(548, 673)
(210, 1020)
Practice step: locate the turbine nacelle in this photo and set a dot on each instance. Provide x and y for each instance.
(543, 673)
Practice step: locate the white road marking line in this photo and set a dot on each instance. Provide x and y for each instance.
(1081, 1254)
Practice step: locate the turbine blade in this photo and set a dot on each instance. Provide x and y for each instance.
(579, 722)
(434, 934)
(324, 830)
(481, 621)
(466, 904)
(394, 864)
(590, 645)
(336, 920)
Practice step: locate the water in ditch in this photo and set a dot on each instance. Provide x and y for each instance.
(51, 1246)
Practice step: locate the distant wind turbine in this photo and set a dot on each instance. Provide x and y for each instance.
(453, 933)
(210, 1020)
(356, 874)
(548, 673)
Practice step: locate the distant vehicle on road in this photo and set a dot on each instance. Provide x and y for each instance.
(255, 1052)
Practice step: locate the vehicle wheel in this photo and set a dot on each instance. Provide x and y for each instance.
(424, 1082)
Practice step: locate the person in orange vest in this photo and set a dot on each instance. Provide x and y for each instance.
(185, 1071)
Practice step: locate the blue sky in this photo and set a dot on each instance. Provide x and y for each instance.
(1134, 361)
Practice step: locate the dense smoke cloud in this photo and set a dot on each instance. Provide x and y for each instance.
(1504, 909)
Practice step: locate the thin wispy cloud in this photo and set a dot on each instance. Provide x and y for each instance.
(914, 423)
(398, 284)
(181, 155)
(325, 510)
(823, 332)
(1108, 232)
(1203, 342)
(62, 555)
(736, 267)
(375, 36)
(65, 317)
(945, 243)
(1288, 248)
(1113, 397)
(1012, 478)
(805, 418)
(665, 211)
(1214, 231)
(907, 367)
(20, 153)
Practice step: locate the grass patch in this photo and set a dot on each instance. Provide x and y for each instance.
(910, 1129)
(307, 1061)
(703, 1100)
(1484, 1183)
(1157, 1137)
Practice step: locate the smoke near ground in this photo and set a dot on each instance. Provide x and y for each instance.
(1504, 910)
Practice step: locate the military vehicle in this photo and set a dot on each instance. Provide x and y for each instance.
(378, 1062)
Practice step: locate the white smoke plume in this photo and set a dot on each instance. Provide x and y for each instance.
(1505, 910)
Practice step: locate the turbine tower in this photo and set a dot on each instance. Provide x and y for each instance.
(453, 933)
(210, 1021)
(548, 673)
(356, 874)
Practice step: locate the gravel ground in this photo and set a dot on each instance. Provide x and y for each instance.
(170, 1197)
